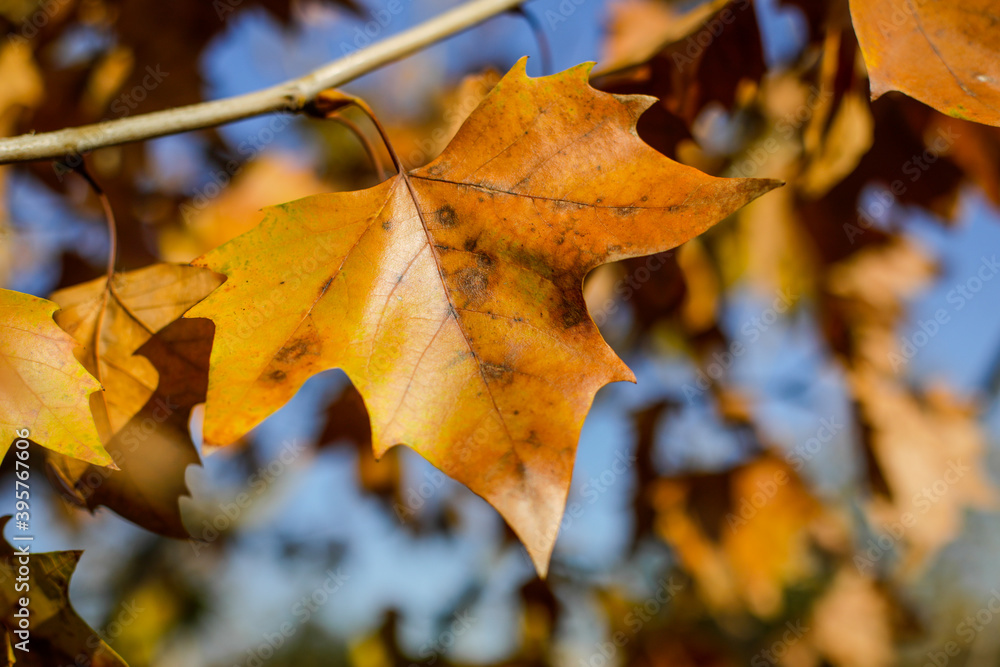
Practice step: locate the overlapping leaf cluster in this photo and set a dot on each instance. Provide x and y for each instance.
(452, 295)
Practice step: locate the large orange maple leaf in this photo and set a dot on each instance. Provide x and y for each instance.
(451, 295)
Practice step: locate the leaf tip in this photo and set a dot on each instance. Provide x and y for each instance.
(95, 455)
(582, 71)
(877, 87)
(536, 519)
(636, 104)
(99, 457)
(541, 562)
(200, 262)
(757, 187)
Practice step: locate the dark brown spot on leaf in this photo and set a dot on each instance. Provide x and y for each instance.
(497, 372)
(473, 283)
(296, 350)
(446, 216)
(572, 312)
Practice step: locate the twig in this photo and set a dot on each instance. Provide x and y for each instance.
(291, 95)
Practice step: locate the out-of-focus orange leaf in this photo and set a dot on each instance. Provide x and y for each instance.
(106, 79)
(976, 150)
(418, 145)
(945, 54)
(112, 322)
(845, 142)
(927, 446)
(637, 29)
(702, 299)
(931, 453)
(696, 67)
(22, 82)
(144, 411)
(208, 223)
(874, 285)
(773, 253)
(851, 623)
(752, 545)
(451, 295)
(153, 448)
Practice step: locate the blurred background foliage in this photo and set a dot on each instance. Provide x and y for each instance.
(804, 475)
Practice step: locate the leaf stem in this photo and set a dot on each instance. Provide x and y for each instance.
(292, 95)
(109, 286)
(366, 142)
(361, 104)
(109, 217)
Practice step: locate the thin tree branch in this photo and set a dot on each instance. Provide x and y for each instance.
(291, 95)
